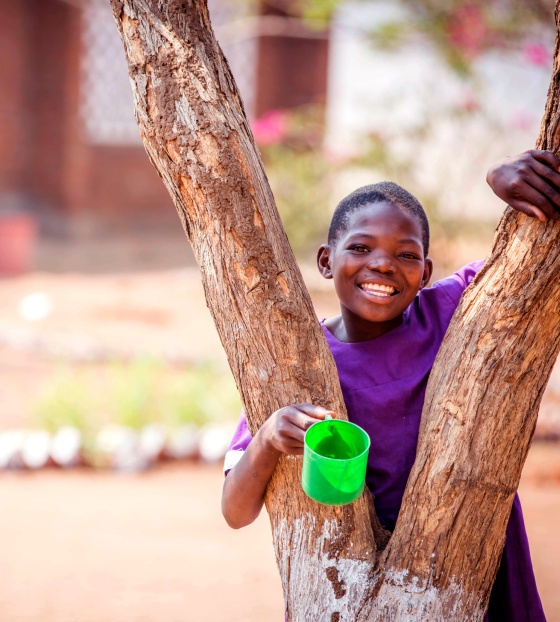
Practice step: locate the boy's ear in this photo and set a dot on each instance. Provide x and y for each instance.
(428, 269)
(324, 261)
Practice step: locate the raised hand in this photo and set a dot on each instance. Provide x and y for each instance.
(529, 182)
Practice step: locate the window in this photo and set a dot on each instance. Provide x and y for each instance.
(107, 108)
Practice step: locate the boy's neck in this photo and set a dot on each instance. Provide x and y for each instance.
(358, 330)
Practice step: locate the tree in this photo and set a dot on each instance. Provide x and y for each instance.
(335, 563)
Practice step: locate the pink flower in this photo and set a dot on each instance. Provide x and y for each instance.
(270, 128)
(468, 102)
(522, 121)
(536, 54)
(467, 29)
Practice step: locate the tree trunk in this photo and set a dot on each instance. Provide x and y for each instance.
(483, 396)
(195, 132)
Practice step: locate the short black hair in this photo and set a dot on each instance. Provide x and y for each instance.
(378, 193)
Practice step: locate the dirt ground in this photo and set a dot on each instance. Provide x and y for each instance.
(94, 547)
(81, 546)
(90, 547)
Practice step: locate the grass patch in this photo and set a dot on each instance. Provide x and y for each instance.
(136, 394)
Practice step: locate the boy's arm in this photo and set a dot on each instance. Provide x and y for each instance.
(245, 485)
(529, 182)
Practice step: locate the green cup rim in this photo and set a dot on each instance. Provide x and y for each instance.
(343, 421)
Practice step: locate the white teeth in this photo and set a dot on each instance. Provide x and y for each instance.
(385, 290)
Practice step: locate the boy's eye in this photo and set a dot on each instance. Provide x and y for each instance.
(409, 256)
(359, 248)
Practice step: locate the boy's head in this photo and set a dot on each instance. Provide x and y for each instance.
(376, 256)
(384, 191)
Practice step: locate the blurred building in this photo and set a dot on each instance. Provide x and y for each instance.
(70, 150)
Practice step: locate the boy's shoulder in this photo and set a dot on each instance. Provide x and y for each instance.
(435, 305)
(455, 284)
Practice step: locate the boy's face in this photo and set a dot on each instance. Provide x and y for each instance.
(378, 266)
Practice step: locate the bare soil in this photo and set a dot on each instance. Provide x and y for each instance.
(84, 546)
(95, 547)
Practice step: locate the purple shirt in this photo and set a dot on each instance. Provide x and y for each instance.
(383, 382)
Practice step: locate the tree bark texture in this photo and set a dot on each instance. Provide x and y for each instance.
(483, 396)
(196, 134)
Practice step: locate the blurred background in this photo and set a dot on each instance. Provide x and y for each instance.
(116, 403)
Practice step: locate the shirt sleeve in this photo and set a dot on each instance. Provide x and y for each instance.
(458, 282)
(467, 273)
(239, 443)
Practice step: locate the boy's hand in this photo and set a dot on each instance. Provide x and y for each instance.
(529, 182)
(284, 429)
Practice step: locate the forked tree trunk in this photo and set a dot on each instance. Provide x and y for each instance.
(485, 388)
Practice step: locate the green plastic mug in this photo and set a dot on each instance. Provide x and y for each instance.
(335, 457)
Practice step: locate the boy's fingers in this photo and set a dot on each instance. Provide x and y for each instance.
(529, 197)
(529, 209)
(303, 416)
(295, 425)
(546, 181)
(290, 445)
(294, 422)
(547, 157)
(293, 444)
(294, 432)
(318, 412)
(303, 422)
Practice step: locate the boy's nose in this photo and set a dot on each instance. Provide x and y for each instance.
(381, 262)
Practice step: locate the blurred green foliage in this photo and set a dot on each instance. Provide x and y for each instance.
(299, 172)
(65, 402)
(202, 395)
(136, 394)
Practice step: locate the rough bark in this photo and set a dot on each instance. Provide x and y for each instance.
(485, 388)
(195, 132)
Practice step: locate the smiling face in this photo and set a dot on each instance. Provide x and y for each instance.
(378, 266)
